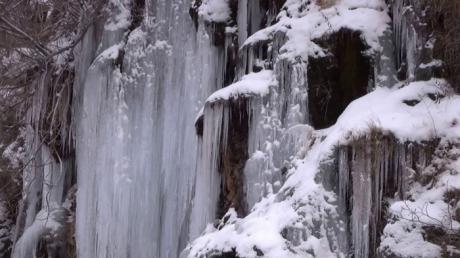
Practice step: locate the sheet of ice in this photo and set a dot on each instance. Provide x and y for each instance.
(140, 193)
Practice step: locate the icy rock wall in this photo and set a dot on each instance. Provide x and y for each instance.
(380, 166)
(250, 127)
(278, 131)
(278, 122)
(147, 184)
(368, 172)
(371, 171)
(415, 39)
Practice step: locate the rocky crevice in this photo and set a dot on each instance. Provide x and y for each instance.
(233, 155)
(334, 81)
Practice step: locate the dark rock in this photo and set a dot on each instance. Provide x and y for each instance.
(402, 72)
(411, 102)
(435, 96)
(233, 158)
(231, 254)
(339, 78)
(199, 125)
(193, 12)
(137, 13)
(258, 251)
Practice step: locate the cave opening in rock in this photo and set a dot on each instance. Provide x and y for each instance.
(337, 79)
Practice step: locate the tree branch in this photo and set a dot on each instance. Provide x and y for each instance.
(42, 49)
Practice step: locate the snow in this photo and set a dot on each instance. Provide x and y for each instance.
(215, 10)
(111, 53)
(253, 84)
(260, 229)
(302, 27)
(404, 235)
(263, 227)
(407, 241)
(120, 20)
(385, 109)
(434, 63)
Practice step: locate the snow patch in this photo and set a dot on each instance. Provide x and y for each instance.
(215, 10)
(253, 84)
(303, 25)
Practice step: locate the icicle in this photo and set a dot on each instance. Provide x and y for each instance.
(242, 21)
(208, 177)
(136, 144)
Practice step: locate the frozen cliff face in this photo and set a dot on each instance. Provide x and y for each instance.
(307, 199)
(225, 128)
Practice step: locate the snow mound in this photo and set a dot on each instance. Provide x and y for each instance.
(304, 21)
(214, 10)
(415, 112)
(253, 84)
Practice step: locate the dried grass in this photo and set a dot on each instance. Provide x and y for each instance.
(325, 3)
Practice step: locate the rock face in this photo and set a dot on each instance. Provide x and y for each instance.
(373, 170)
(275, 165)
(334, 81)
(234, 155)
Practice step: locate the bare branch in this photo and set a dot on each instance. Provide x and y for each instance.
(42, 49)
